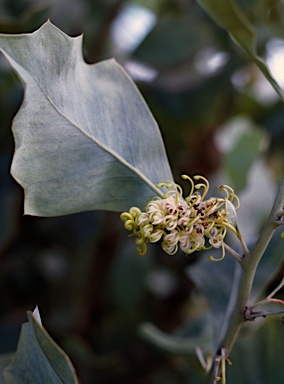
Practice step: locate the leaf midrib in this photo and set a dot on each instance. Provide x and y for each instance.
(97, 142)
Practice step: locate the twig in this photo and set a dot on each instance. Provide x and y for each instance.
(276, 289)
(201, 359)
(216, 369)
(223, 365)
(243, 244)
(269, 297)
(234, 253)
(250, 315)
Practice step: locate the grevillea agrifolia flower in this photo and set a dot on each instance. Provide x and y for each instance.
(190, 223)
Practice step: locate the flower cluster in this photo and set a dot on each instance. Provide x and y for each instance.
(191, 223)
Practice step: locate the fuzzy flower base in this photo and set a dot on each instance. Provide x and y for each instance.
(191, 223)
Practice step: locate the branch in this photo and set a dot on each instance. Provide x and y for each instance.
(249, 264)
(269, 297)
(251, 315)
(235, 254)
(279, 286)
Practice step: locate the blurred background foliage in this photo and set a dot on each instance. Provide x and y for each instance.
(219, 118)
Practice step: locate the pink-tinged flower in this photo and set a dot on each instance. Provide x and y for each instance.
(156, 235)
(190, 224)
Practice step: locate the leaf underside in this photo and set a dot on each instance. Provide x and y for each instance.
(84, 137)
(38, 358)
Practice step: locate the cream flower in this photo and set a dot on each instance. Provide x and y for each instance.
(191, 223)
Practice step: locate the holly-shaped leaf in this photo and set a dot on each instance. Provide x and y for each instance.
(85, 139)
(38, 358)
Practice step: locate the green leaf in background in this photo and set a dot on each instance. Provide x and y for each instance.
(221, 297)
(200, 334)
(38, 358)
(229, 16)
(85, 138)
(161, 49)
(239, 160)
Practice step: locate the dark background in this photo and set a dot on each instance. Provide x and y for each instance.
(92, 289)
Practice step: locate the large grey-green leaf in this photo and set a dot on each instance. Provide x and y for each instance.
(229, 16)
(85, 138)
(38, 358)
